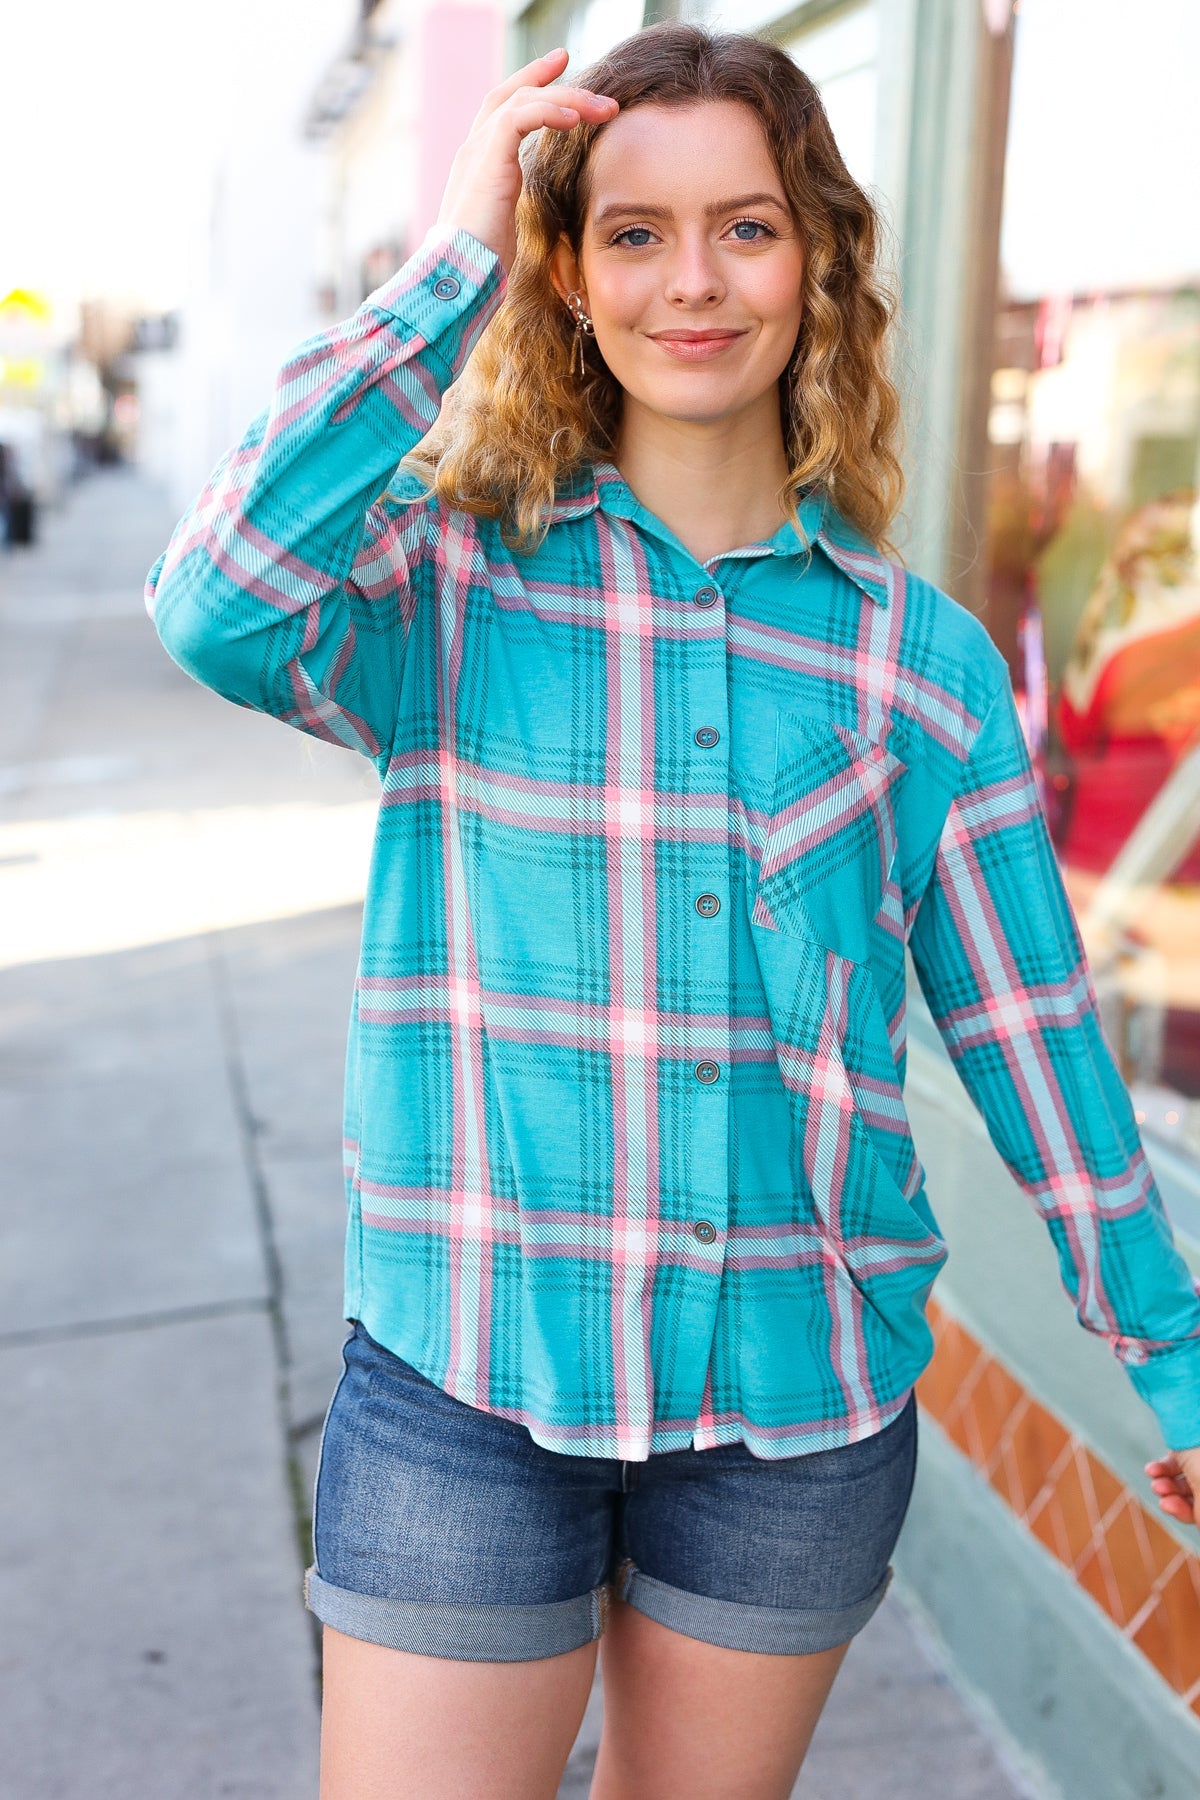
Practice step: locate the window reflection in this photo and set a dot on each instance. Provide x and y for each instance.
(1093, 532)
(1094, 581)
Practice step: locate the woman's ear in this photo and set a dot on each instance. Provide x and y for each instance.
(565, 273)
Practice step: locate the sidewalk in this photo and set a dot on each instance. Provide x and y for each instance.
(178, 890)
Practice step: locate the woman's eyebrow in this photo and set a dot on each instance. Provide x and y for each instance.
(619, 208)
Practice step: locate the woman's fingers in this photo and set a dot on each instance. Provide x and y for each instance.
(535, 74)
(575, 104)
(534, 117)
(580, 98)
(530, 83)
(1166, 1468)
(1172, 1498)
(1173, 1488)
(1167, 1478)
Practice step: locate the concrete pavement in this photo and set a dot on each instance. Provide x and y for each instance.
(178, 885)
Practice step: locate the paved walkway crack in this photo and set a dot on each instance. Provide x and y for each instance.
(148, 1321)
(249, 1129)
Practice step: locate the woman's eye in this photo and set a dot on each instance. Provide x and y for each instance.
(635, 237)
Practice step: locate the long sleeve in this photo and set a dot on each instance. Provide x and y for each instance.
(1000, 960)
(289, 585)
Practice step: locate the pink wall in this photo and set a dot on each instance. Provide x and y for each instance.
(459, 55)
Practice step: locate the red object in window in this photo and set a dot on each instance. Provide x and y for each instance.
(1144, 711)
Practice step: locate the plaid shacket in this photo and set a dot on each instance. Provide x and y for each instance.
(627, 1153)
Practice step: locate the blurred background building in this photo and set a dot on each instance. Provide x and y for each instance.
(1036, 162)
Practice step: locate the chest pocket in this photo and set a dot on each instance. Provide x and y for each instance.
(831, 836)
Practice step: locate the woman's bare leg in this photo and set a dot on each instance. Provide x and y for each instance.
(397, 1726)
(684, 1717)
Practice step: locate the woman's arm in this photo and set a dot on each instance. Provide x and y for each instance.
(999, 957)
(289, 585)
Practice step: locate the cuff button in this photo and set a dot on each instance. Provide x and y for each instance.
(446, 287)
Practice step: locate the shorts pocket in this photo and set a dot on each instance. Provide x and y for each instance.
(831, 836)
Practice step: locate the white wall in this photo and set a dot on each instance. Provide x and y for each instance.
(250, 289)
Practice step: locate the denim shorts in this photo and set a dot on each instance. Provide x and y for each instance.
(444, 1529)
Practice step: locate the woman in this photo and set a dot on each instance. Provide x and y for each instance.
(674, 764)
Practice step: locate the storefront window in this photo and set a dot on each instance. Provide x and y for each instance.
(1093, 528)
(586, 28)
(839, 52)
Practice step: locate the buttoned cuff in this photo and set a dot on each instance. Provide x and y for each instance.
(446, 293)
(1170, 1383)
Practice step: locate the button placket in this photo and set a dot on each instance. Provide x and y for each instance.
(706, 874)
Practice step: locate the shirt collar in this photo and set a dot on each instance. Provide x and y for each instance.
(600, 484)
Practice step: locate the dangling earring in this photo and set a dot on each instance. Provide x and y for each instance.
(583, 324)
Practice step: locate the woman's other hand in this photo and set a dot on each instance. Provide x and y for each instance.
(1175, 1478)
(485, 177)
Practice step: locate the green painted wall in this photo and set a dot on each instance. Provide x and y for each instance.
(1033, 1648)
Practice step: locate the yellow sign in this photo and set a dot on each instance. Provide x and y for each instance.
(21, 371)
(23, 303)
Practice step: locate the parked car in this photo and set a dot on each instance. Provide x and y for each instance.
(17, 504)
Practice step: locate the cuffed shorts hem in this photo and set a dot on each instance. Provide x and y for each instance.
(465, 1633)
(528, 1633)
(775, 1631)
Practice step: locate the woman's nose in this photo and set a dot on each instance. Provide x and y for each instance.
(694, 277)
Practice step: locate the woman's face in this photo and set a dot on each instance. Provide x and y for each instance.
(691, 263)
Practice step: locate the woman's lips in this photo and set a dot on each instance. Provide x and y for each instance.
(698, 349)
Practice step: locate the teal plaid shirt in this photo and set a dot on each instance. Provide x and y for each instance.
(627, 1153)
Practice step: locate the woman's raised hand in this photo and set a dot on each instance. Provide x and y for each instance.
(485, 176)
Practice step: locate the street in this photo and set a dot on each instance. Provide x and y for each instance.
(180, 883)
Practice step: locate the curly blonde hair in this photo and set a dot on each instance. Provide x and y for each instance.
(518, 422)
